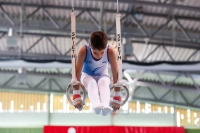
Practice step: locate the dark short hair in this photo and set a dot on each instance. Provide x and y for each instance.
(98, 40)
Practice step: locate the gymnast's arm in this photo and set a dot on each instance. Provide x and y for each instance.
(79, 65)
(114, 68)
(114, 65)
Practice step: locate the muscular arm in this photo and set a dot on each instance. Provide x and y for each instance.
(114, 65)
(79, 64)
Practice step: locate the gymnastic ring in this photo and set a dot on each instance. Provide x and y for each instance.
(84, 94)
(127, 92)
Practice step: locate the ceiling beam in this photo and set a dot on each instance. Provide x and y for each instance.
(48, 32)
(138, 83)
(41, 90)
(182, 45)
(157, 4)
(172, 87)
(111, 10)
(34, 73)
(31, 56)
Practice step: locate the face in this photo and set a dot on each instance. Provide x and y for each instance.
(97, 54)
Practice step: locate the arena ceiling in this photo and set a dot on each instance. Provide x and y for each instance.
(161, 41)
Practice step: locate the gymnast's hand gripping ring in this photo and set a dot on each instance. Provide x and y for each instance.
(84, 93)
(121, 85)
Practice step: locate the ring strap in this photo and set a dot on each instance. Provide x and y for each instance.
(119, 51)
(73, 42)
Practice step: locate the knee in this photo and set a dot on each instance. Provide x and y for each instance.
(93, 83)
(104, 80)
(90, 82)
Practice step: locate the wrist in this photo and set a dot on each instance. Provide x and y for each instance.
(117, 93)
(76, 91)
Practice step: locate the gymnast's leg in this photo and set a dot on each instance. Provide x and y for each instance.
(93, 94)
(103, 84)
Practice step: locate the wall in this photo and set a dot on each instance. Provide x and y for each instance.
(41, 119)
(23, 119)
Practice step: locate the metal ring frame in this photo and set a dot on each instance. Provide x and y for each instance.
(127, 92)
(84, 94)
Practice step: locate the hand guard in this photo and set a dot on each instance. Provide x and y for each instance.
(77, 101)
(116, 103)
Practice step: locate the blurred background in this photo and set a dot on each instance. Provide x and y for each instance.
(161, 63)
